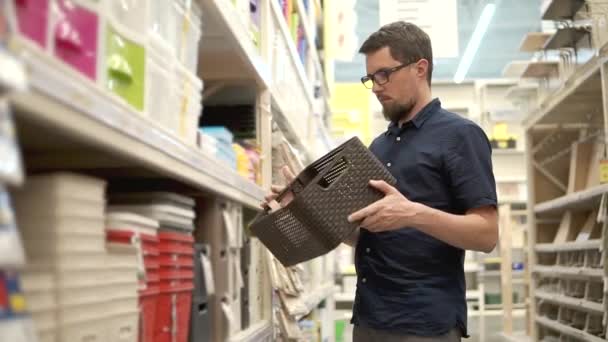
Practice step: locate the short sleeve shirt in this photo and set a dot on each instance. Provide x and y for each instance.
(409, 282)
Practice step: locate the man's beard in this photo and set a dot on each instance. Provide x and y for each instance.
(397, 112)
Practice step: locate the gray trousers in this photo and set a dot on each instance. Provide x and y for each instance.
(364, 334)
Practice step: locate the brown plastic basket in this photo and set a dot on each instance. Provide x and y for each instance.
(325, 193)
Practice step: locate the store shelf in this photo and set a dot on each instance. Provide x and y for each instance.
(508, 152)
(261, 331)
(562, 9)
(521, 90)
(569, 272)
(566, 37)
(570, 301)
(515, 69)
(585, 199)
(229, 52)
(344, 297)
(497, 273)
(473, 294)
(499, 306)
(569, 246)
(304, 304)
(13, 73)
(580, 93)
(308, 31)
(293, 52)
(534, 41)
(73, 113)
(570, 331)
(541, 69)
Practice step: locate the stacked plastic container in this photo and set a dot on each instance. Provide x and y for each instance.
(78, 289)
(144, 52)
(141, 232)
(222, 139)
(174, 91)
(175, 215)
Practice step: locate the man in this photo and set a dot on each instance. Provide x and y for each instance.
(410, 250)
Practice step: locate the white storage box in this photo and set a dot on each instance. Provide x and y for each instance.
(130, 13)
(189, 32)
(83, 262)
(78, 279)
(86, 312)
(61, 225)
(45, 321)
(123, 327)
(162, 24)
(44, 207)
(35, 279)
(122, 220)
(83, 331)
(161, 91)
(190, 104)
(47, 336)
(96, 294)
(48, 245)
(65, 185)
(40, 301)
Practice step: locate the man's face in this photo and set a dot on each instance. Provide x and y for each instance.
(398, 96)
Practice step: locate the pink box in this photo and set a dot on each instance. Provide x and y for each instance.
(76, 36)
(33, 19)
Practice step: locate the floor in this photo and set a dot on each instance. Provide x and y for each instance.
(486, 329)
(490, 328)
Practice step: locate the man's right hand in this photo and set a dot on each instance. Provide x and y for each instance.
(276, 190)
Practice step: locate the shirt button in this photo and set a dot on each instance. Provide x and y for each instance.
(364, 280)
(388, 164)
(398, 138)
(367, 250)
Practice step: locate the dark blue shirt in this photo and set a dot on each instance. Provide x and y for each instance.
(409, 282)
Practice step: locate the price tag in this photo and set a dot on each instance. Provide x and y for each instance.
(604, 171)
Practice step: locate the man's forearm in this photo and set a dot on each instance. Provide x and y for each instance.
(477, 230)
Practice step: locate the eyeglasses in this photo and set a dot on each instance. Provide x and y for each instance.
(381, 76)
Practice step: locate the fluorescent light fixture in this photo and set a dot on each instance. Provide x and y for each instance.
(474, 42)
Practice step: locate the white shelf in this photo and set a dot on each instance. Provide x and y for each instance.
(293, 51)
(571, 272)
(473, 294)
(13, 73)
(575, 91)
(579, 200)
(258, 332)
(227, 38)
(549, 323)
(570, 301)
(508, 152)
(79, 111)
(345, 297)
(569, 246)
(499, 306)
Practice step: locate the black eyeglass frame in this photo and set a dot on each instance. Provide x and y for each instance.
(387, 73)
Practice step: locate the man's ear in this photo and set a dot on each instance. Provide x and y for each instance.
(422, 68)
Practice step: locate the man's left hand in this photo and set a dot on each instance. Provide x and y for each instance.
(392, 212)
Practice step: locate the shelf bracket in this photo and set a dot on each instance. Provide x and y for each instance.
(550, 177)
(212, 89)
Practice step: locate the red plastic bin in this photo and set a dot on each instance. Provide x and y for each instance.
(176, 260)
(173, 300)
(147, 307)
(169, 273)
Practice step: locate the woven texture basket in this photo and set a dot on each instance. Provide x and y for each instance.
(325, 193)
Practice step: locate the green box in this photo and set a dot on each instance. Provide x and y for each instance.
(124, 65)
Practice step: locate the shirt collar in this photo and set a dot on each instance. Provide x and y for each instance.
(419, 119)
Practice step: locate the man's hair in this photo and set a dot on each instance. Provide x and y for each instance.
(407, 43)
